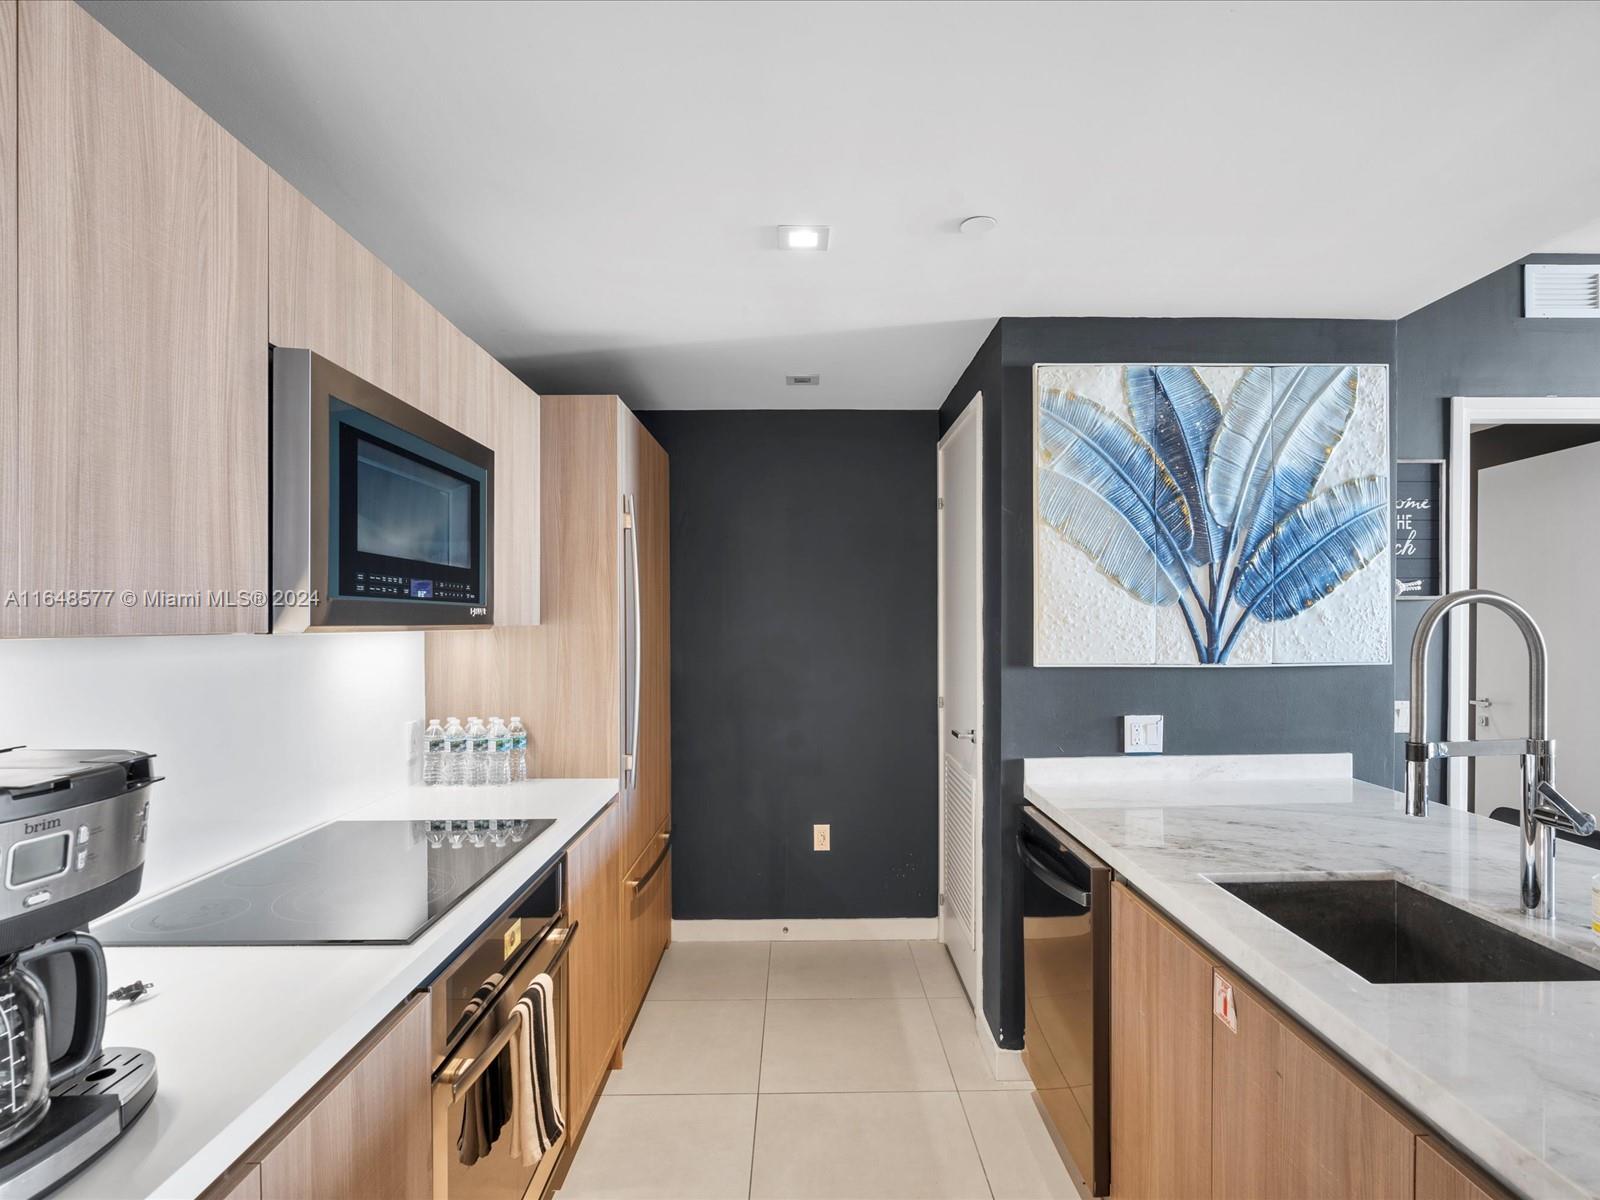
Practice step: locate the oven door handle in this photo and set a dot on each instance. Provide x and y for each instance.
(1048, 876)
(464, 1072)
(461, 1074)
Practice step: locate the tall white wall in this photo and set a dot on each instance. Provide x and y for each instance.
(259, 737)
(1536, 539)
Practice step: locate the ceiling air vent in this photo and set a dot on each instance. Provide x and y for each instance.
(1561, 290)
(802, 380)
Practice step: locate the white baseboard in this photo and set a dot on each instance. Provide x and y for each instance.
(1006, 1064)
(867, 929)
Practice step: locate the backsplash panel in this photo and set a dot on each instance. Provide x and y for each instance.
(258, 737)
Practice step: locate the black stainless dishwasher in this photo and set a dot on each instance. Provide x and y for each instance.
(1066, 931)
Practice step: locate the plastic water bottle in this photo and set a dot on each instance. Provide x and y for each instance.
(499, 752)
(433, 753)
(519, 750)
(455, 738)
(477, 752)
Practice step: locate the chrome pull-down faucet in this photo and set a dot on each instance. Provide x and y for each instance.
(1544, 810)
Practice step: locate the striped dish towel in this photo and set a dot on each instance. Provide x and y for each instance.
(538, 1122)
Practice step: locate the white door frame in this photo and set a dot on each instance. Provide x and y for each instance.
(1465, 412)
(972, 412)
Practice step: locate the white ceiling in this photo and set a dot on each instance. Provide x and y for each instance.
(589, 190)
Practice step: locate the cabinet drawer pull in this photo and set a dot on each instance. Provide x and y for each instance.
(666, 844)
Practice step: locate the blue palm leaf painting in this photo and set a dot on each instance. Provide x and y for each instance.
(1221, 508)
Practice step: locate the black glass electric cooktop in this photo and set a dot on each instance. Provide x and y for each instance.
(351, 881)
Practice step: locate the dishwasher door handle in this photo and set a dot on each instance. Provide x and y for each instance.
(1048, 875)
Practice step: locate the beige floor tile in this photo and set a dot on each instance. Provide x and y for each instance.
(712, 971)
(958, 1032)
(685, 1046)
(938, 973)
(665, 1148)
(864, 1147)
(842, 970)
(869, 1045)
(1018, 1154)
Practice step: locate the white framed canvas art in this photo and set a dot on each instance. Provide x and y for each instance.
(1198, 514)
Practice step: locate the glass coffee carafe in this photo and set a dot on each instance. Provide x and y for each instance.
(52, 1015)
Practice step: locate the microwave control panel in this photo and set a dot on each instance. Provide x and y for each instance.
(401, 587)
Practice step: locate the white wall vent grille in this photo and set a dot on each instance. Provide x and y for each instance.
(1561, 290)
(960, 854)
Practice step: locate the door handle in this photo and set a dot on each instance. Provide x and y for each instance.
(630, 530)
(970, 735)
(1050, 877)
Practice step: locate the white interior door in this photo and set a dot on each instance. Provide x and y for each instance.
(961, 692)
(1535, 522)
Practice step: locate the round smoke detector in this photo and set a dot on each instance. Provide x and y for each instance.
(978, 224)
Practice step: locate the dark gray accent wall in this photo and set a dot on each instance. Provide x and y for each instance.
(1076, 711)
(804, 677)
(1476, 342)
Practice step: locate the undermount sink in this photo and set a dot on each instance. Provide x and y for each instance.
(1388, 932)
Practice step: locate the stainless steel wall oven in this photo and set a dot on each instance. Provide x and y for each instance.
(474, 1020)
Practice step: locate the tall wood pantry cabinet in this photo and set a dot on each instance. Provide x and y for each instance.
(591, 682)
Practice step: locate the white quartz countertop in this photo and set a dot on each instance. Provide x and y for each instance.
(240, 1033)
(1508, 1072)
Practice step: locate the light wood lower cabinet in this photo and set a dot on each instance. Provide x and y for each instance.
(594, 965)
(369, 1134)
(1444, 1175)
(1261, 1112)
(241, 1184)
(1288, 1119)
(647, 920)
(1160, 1057)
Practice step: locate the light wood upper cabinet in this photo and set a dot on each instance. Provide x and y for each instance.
(330, 294)
(8, 311)
(371, 1133)
(514, 434)
(1291, 1120)
(594, 965)
(1160, 1057)
(140, 397)
(1444, 1175)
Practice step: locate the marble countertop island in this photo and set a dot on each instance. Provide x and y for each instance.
(1508, 1072)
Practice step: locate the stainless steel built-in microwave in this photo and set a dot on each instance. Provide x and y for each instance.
(382, 516)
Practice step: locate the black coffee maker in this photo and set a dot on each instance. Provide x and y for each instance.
(73, 825)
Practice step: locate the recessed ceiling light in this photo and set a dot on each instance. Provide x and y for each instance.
(803, 237)
(979, 224)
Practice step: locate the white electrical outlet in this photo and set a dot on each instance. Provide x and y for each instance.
(1402, 716)
(1143, 734)
(822, 837)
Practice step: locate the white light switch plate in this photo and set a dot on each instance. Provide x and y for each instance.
(1143, 734)
(1402, 716)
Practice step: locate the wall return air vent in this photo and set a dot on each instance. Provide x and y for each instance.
(1561, 290)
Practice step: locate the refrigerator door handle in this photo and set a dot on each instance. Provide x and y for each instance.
(630, 531)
